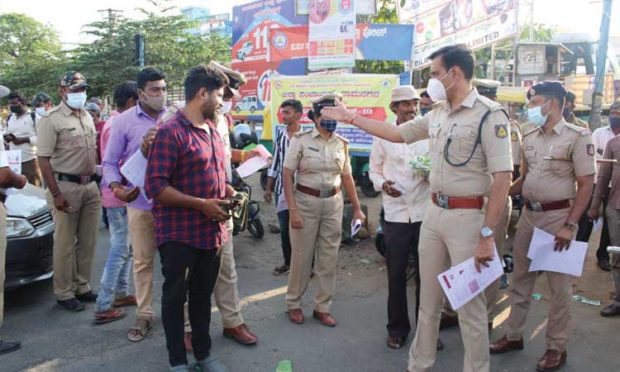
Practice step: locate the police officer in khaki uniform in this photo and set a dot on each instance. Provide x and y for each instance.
(318, 160)
(557, 174)
(469, 182)
(568, 111)
(67, 155)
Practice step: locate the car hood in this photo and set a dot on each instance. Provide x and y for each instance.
(26, 202)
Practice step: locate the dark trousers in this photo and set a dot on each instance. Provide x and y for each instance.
(283, 218)
(401, 240)
(585, 229)
(188, 273)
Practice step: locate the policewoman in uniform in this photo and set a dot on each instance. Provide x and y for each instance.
(556, 180)
(316, 167)
(66, 150)
(469, 181)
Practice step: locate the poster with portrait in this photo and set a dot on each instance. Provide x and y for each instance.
(362, 7)
(437, 23)
(331, 34)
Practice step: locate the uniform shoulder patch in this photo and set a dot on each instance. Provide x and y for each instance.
(501, 131)
(303, 132)
(346, 141)
(514, 137)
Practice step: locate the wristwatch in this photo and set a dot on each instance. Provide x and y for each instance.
(486, 232)
(571, 226)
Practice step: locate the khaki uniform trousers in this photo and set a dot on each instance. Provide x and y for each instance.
(226, 291)
(2, 258)
(320, 238)
(613, 221)
(523, 281)
(142, 237)
(449, 237)
(75, 238)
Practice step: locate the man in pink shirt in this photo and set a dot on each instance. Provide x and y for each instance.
(114, 292)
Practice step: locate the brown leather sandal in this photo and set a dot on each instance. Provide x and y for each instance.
(139, 330)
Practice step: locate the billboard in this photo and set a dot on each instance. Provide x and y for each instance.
(476, 23)
(331, 34)
(250, 50)
(368, 94)
(385, 42)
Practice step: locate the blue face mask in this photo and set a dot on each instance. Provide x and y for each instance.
(329, 125)
(535, 116)
(425, 110)
(76, 100)
(614, 122)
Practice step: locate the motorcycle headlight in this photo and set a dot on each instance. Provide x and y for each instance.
(17, 227)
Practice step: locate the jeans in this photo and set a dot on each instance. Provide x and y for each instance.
(283, 218)
(188, 272)
(115, 278)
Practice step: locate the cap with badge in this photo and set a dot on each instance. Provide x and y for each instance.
(547, 88)
(404, 93)
(4, 91)
(235, 78)
(486, 87)
(73, 80)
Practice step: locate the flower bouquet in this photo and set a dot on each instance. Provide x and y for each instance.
(422, 166)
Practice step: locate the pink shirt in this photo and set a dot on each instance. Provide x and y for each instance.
(108, 200)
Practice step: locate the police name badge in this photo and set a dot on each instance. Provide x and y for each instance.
(501, 131)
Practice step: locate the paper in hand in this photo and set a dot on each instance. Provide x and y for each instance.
(356, 226)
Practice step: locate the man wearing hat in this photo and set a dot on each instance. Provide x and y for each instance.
(557, 173)
(569, 107)
(405, 192)
(42, 103)
(66, 150)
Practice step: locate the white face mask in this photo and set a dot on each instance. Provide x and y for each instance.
(436, 90)
(226, 106)
(76, 100)
(40, 111)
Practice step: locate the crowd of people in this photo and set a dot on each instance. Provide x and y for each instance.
(481, 159)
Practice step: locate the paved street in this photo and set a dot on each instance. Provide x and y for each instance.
(55, 340)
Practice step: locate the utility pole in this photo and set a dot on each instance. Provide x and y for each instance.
(601, 61)
(531, 35)
(112, 16)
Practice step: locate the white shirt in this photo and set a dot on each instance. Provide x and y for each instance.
(600, 137)
(23, 127)
(390, 161)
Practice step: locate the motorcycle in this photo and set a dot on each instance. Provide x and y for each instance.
(245, 213)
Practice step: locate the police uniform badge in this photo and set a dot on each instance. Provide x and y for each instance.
(501, 131)
(513, 137)
(590, 149)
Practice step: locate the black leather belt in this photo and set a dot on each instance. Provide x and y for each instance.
(81, 180)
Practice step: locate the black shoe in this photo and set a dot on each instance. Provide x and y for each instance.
(87, 297)
(7, 347)
(281, 270)
(71, 305)
(611, 310)
(604, 265)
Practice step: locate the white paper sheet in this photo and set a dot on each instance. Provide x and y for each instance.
(253, 165)
(544, 258)
(14, 158)
(356, 226)
(134, 169)
(461, 283)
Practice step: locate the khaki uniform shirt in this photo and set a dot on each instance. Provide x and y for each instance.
(460, 126)
(578, 122)
(553, 161)
(68, 140)
(516, 140)
(318, 163)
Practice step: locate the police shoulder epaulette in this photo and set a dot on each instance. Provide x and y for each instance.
(301, 133)
(54, 109)
(530, 132)
(346, 141)
(492, 105)
(581, 130)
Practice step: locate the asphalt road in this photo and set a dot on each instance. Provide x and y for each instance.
(55, 340)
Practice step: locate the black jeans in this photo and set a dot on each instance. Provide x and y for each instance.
(401, 239)
(283, 218)
(188, 273)
(585, 229)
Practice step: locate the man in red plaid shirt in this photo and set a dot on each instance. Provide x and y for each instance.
(186, 176)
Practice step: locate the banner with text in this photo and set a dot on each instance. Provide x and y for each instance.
(331, 34)
(368, 94)
(476, 23)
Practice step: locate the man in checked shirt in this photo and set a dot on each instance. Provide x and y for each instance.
(186, 177)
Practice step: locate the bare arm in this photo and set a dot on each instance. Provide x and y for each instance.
(497, 198)
(8, 178)
(48, 175)
(584, 190)
(349, 186)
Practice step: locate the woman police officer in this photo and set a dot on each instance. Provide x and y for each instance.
(319, 161)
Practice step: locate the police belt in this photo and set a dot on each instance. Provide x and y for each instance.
(450, 202)
(81, 180)
(545, 207)
(322, 193)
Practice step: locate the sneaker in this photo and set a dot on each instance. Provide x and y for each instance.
(87, 297)
(71, 304)
(210, 364)
(281, 270)
(8, 347)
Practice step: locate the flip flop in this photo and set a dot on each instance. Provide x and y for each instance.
(109, 316)
(139, 331)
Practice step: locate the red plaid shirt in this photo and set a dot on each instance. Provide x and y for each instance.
(192, 161)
